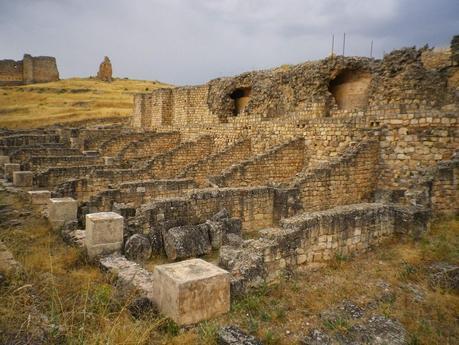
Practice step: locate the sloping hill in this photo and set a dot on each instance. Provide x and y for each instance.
(73, 100)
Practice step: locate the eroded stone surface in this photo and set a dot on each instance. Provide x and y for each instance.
(104, 233)
(232, 335)
(137, 248)
(191, 291)
(39, 197)
(183, 242)
(62, 211)
(22, 178)
(105, 70)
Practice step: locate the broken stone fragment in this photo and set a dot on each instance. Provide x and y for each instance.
(232, 240)
(232, 335)
(137, 248)
(220, 215)
(142, 306)
(215, 234)
(444, 275)
(187, 241)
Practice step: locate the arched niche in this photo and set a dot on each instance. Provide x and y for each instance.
(350, 89)
(240, 97)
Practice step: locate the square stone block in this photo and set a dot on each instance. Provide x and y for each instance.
(191, 291)
(39, 197)
(109, 160)
(62, 211)
(23, 178)
(4, 160)
(9, 169)
(104, 233)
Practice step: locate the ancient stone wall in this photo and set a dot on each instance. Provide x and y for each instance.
(280, 164)
(349, 179)
(135, 194)
(150, 146)
(11, 72)
(216, 163)
(40, 69)
(313, 238)
(254, 206)
(410, 142)
(42, 162)
(444, 188)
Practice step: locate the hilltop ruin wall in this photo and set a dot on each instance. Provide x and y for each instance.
(39, 69)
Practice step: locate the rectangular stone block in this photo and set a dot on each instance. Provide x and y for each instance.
(191, 291)
(62, 211)
(39, 197)
(109, 160)
(9, 169)
(23, 178)
(104, 233)
(4, 160)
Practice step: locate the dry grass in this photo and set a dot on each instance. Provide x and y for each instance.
(89, 310)
(69, 101)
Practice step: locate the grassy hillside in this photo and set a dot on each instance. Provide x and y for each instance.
(69, 101)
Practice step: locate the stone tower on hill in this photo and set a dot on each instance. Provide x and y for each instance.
(105, 70)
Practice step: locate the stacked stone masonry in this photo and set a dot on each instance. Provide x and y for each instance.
(315, 160)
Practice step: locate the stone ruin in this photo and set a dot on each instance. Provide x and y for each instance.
(105, 70)
(243, 179)
(29, 70)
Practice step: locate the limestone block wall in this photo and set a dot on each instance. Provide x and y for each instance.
(52, 177)
(24, 154)
(254, 206)
(218, 162)
(445, 188)
(280, 164)
(43, 162)
(29, 139)
(114, 145)
(411, 142)
(150, 146)
(437, 58)
(349, 179)
(40, 69)
(137, 193)
(313, 238)
(93, 138)
(163, 166)
(11, 72)
(178, 107)
(169, 164)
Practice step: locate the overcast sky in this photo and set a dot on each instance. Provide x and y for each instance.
(192, 41)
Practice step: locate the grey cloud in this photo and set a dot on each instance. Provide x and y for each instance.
(191, 41)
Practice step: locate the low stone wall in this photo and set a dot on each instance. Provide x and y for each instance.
(29, 139)
(279, 164)
(254, 206)
(169, 164)
(137, 193)
(55, 176)
(23, 154)
(89, 182)
(348, 180)
(445, 188)
(114, 145)
(217, 162)
(41, 162)
(316, 237)
(150, 146)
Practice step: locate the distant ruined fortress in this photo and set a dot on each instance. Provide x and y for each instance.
(29, 70)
